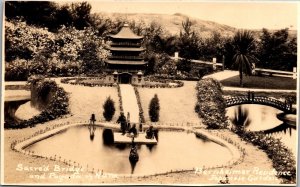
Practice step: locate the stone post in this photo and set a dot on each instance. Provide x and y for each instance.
(294, 72)
(214, 63)
(176, 56)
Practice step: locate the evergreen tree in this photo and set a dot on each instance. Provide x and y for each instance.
(109, 109)
(154, 109)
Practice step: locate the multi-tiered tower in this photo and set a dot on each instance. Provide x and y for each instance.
(125, 64)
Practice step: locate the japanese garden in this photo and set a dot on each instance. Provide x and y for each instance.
(98, 98)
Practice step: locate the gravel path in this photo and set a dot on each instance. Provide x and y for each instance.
(129, 102)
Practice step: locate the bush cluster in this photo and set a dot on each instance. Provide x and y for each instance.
(282, 158)
(56, 106)
(211, 106)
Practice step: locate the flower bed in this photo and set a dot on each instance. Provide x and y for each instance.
(120, 99)
(179, 76)
(141, 112)
(87, 81)
(58, 106)
(211, 106)
(281, 156)
(154, 82)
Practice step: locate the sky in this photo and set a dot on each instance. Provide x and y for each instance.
(242, 14)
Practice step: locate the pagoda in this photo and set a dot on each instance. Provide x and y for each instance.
(125, 64)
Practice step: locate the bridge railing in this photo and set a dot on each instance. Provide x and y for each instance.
(258, 99)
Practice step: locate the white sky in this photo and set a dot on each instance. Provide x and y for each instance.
(242, 14)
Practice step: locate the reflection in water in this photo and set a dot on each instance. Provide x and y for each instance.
(263, 118)
(175, 150)
(281, 128)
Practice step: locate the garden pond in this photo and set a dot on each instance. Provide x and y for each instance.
(263, 118)
(176, 150)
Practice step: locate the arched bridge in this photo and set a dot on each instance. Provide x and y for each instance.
(251, 99)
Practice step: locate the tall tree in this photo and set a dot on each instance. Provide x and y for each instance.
(276, 50)
(188, 41)
(81, 14)
(244, 45)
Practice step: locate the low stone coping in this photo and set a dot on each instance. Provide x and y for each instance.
(236, 152)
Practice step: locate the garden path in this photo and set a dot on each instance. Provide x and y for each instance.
(129, 102)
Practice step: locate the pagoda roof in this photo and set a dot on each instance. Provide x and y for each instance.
(127, 48)
(126, 33)
(126, 62)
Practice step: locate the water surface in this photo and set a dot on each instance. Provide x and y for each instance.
(175, 150)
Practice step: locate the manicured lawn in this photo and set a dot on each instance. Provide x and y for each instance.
(176, 104)
(85, 100)
(263, 82)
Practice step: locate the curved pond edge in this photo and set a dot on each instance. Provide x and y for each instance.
(237, 152)
(287, 118)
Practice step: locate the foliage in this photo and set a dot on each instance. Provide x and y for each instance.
(244, 44)
(213, 47)
(25, 42)
(188, 42)
(154, 108)
(50, 14)
(30, 50)
(57, 105)
(282, 158)
(141, 111)
(160, 63)
(184, 65)
(109, 109)
(211, 106)
(277, 50)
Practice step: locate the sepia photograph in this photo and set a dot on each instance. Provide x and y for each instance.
(173, 92)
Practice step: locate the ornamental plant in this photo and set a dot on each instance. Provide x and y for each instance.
(211, 106)
(154, 108)
(109, 109)
(56, 106)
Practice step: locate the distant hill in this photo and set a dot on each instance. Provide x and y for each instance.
(172, 23)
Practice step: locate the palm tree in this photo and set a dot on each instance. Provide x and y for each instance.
(244, 44)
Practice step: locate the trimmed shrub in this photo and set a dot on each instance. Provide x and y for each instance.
(154, 109)
(109, 109)
(57, 105)
(211, 106)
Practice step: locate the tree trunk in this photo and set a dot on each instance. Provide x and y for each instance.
(241, 74)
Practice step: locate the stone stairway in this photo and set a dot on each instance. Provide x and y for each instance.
(129, 102)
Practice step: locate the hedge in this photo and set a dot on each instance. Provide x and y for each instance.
(211, 106)
(57, 106)
(282, 157)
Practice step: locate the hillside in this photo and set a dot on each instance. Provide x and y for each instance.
(172, 23)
